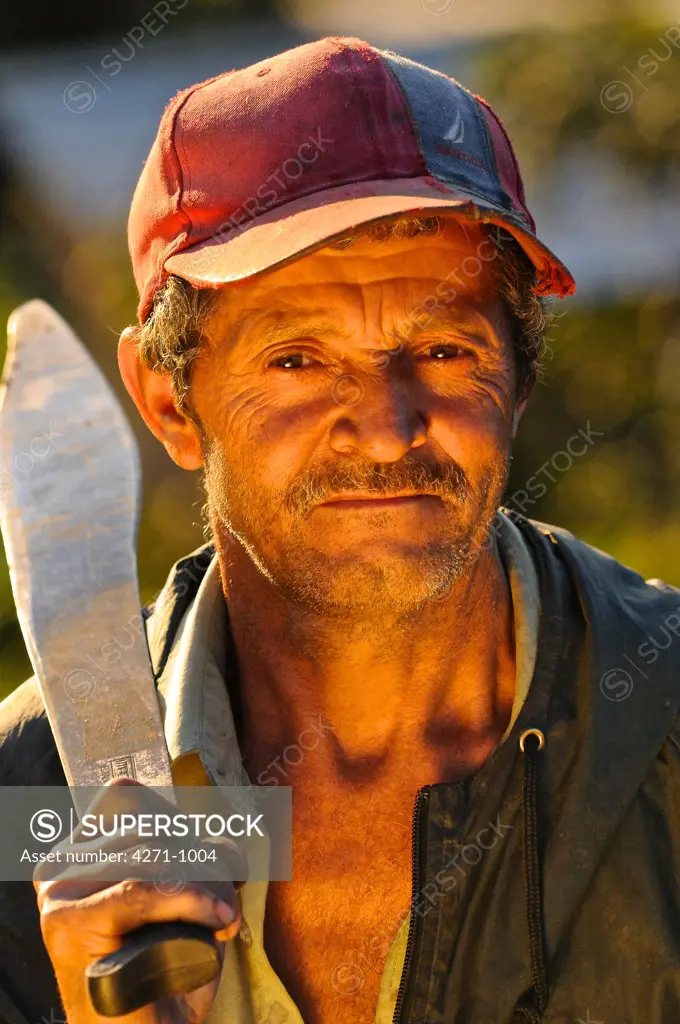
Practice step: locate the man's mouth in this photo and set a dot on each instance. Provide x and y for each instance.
(358, 500)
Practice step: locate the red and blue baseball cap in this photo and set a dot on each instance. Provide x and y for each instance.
(257, 167)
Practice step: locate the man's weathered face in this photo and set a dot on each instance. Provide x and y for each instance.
(316, 383)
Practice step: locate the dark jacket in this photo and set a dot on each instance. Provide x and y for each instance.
(546, 885)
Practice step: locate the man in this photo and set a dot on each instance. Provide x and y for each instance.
(340, 323)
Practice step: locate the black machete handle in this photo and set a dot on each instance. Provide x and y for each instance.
(155, 961)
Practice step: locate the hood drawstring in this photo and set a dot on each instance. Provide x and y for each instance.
(533, 1003)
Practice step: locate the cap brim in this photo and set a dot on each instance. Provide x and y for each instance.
(288, 232)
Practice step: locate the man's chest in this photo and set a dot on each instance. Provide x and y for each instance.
(329, 931)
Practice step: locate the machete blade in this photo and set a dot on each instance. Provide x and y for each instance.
(69, 510)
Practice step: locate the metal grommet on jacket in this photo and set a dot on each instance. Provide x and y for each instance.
(532, 732)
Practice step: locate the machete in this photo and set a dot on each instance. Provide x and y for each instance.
(69, 512)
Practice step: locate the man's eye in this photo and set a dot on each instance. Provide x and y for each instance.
(442, 352)
(293, 361)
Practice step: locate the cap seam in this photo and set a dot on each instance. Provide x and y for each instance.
(407, 102)
(343, 52)
(184, 174)
(178, 163)
(518, 182)
(489, 142)
(181, 174)
(159, 275)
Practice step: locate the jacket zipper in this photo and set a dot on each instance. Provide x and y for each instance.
(415, 921)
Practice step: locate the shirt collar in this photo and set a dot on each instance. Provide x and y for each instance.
(197, 713)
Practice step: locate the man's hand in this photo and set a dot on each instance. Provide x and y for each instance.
(85, 918)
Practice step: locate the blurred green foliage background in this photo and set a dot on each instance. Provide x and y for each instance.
(614, 359)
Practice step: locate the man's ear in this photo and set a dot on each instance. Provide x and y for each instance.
(517, 415)
(152, 394)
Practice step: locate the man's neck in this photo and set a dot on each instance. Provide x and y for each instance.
(432, 690)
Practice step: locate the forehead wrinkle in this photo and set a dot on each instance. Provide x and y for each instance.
(376, 310)
(278, 325)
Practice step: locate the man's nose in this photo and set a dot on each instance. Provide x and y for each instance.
(381, 415)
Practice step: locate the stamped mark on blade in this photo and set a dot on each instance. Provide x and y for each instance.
(122, 767)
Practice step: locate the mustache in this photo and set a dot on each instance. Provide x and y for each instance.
(323, 483)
